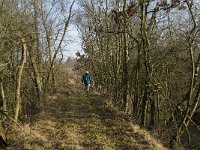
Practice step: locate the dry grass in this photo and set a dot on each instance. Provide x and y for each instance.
(75, 121)
(155, 144)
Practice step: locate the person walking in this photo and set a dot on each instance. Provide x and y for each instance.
(87, 80)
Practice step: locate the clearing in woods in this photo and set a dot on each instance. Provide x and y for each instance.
(72, 120)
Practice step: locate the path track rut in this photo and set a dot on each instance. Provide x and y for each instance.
(72, 120)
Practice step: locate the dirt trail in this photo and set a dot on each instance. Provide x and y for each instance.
(74, 121)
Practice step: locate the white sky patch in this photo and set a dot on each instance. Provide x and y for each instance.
(74, 42)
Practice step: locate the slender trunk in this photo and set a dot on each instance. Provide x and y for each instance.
(18, 80)
(47, 34)
(38, 50)
(3, 97)
(145, 48)
(59, 45)
(153, 112)
(183, 126)
(125, 58)
(149, 89)
(37, 79)
(137, 89)
(136, 95)
(144, 108)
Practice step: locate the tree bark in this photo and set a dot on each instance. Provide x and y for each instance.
(18, 80)
(191, 108)
(3, 97)
(125, 58)
(37, 78)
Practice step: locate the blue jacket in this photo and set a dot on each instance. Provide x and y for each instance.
(86, 79)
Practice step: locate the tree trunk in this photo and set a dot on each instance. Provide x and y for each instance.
(149, 95)
(38, 50)
(18, 80)
(183, 126)
(37, 78)
(125, 58)
(50, 71)
(3, 98)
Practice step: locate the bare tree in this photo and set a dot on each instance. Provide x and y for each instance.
(144, 60)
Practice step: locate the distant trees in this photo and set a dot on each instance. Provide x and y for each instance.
(147, 62)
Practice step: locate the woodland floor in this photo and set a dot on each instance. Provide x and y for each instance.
(72, 120)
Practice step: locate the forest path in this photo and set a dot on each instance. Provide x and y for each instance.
(72, 120)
